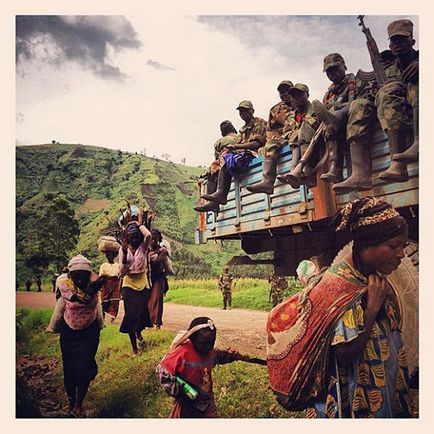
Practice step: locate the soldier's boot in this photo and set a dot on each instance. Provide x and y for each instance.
(334, 173)
(412, 153)
(269, 171)
(211, 187)
(361, 166)
(223, 187)
(288, 178)
(397, 172)
(326, 116)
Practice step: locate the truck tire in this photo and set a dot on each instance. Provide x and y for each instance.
(405, 282)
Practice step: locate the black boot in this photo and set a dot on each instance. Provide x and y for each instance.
(361, 168)
(289, 178)
(334, 173)
(223, 187)
(211, 187)
(269, 171)
(412, 153)
(397, 172)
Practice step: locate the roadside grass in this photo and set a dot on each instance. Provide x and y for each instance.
(127, 387)
(246, 294)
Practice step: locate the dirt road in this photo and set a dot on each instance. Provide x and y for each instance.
(241, 329)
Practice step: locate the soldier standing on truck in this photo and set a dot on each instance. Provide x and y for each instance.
(278, 116)
(348, 112)
(238, 155)
(225, 284)
(229, 137)
(278, 284)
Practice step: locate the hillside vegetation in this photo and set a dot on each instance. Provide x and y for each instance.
(97, 181)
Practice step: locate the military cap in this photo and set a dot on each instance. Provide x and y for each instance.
(245, 104)
(285, 83)
(400, 27)
(299, 86)
(333, 59)
(225, 123)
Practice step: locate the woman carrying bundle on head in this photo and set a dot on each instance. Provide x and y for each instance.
(135, 286)
(157, 257)
(79, 330)
(336, 348)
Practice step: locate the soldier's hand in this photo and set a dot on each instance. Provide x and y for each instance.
(411, 73)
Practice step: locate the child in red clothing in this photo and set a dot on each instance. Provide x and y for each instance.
(192, 357)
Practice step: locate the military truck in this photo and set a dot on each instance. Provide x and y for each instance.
(295, 223)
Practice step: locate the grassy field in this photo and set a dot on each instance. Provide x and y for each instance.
(127, 387)
(246, 294)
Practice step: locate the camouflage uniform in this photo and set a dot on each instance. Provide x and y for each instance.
(279, 113)
(253, 131)
(300, 129)
(394, 97)
(278, 284)
(225, 284)
(220, 149)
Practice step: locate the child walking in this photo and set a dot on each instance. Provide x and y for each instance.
(191, 359)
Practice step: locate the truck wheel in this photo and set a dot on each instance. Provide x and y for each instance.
(405, 282)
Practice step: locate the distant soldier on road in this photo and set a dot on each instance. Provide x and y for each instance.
(225, 284)
(278, 284)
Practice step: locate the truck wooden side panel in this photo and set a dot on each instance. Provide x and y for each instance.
(248, 214)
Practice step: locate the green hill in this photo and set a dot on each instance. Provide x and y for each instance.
(97, 181)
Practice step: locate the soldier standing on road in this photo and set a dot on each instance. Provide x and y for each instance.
(274, 139)
(225, 284)
(28, 284)
(39, 283)
(277, 285)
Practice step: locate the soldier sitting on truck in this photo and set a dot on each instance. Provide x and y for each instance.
(239, 155)
(229, 137)
(395, 97)
(279, 113)
(351, 101)
(299, 129)
(394, 102)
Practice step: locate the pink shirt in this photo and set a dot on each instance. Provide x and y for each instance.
(77, 315)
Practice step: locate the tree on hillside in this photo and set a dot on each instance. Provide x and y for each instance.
(183, 160)
(165, 156)
(58, 231)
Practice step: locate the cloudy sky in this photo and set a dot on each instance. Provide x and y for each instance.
(165, 82)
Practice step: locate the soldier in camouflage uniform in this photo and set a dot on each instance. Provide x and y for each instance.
(278, 284)
(299, 130)
(278, 116)
(396, 97)
(229, 136)
(348, 113)
(225, 284)
(238, 156)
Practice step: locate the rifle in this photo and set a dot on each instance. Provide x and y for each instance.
(374, 53)
(293, 178)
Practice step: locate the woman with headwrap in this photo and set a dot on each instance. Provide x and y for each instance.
(157, 256)
(335, 348)
(135, 285)
(79, 330)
